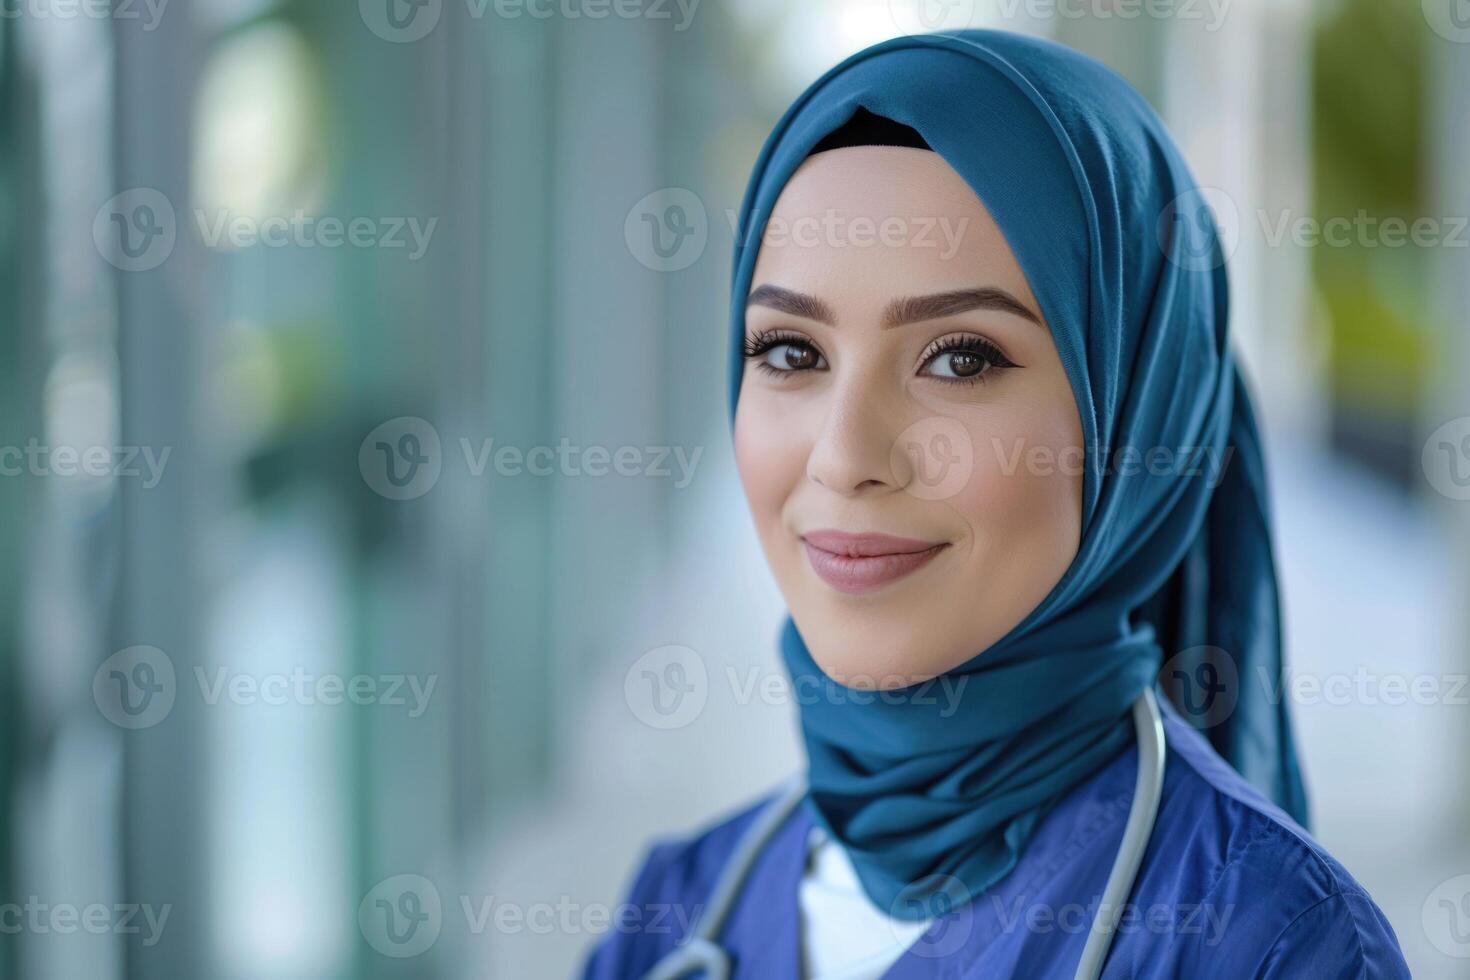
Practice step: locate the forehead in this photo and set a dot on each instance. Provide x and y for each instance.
(859, 225)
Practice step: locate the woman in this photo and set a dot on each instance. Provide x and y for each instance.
(1003, 466)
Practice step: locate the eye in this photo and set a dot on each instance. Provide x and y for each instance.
(963, 359)
(780, 352)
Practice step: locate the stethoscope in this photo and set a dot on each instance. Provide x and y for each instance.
(702, 952)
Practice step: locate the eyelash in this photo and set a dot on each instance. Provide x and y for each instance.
(763, 342)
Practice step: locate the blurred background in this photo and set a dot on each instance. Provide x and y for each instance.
(364, 449)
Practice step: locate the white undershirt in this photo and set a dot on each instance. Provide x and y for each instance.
(844, 936)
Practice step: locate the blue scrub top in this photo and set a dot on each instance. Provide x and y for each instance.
(1230, 887)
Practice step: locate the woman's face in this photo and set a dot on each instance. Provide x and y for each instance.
(906, 434)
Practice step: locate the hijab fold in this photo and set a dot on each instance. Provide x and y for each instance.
(934, 799)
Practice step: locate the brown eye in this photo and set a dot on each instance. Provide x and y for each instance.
(783, 353)
(963, 364)
(964, 359)
(792, 357)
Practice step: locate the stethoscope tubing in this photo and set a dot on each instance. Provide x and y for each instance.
(702, 950)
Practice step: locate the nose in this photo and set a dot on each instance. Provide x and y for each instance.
(852, 452)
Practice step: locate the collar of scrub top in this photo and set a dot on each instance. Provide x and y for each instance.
(1119, 246)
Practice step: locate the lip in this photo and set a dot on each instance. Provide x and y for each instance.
(862, 563)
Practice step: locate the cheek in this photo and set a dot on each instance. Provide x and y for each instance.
(769, 456)
(1023, 502)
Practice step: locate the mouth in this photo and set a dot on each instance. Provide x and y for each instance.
(860, 563)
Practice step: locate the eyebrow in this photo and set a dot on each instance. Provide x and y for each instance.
(903, 310)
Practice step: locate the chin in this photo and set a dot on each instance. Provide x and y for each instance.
(871, 651)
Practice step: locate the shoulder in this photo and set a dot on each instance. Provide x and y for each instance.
(1258, 883)
(675, 877)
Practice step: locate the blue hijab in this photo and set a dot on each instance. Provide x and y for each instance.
(934, 801)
